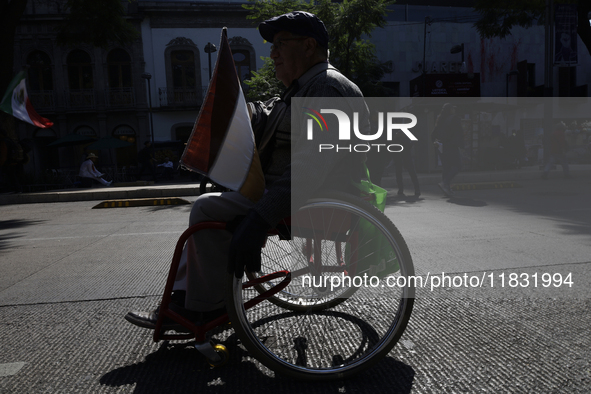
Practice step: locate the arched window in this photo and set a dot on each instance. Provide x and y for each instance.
(183, 69)
(85, 130)
(124, 133)
(119, 91)
(119, 68)
(40, 73)
(80, 70)
(183, 74)
(80, 79)
(40, 79)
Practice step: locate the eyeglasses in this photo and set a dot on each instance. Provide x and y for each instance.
(275, 46)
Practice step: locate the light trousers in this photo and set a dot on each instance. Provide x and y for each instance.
(202, 269)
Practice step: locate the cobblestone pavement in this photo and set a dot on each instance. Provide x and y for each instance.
(69, 273)
(450, 345)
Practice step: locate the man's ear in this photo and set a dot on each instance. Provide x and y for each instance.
(310, 47)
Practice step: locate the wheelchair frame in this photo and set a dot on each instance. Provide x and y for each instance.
(272, 287)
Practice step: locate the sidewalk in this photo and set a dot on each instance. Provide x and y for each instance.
(98, 193)
(469, 178)
(464, 180)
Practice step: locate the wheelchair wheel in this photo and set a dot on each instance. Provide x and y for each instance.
(300, 257)
(349, 300)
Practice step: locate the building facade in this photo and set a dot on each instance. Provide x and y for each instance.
(154, 87)
(180, 42)
(84, 90)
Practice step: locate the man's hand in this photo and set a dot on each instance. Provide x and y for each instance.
(250, 233)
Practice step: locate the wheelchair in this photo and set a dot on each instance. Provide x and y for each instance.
(332, 297)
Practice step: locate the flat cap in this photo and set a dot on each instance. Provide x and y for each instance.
(301, 23)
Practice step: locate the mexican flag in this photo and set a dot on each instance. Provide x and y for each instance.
(222, 145)
(16, 103)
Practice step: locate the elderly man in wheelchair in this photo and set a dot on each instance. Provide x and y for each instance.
(233, 230)
(299, 50)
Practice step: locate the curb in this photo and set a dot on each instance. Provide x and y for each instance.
(484, 185)
(464, 181)
(141, 202)
(102, 194)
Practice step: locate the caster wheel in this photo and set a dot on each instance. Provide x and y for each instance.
(224, 354)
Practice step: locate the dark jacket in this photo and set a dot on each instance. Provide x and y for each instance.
(284, 163)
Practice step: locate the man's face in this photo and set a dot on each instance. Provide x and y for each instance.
(289, 55)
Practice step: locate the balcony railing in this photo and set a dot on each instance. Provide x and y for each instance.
(81, 98)
(178, 97)
(120, 97)
(42, 100)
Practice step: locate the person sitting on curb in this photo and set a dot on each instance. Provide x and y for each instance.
(449, 136)
(88, 170)
(168, 168)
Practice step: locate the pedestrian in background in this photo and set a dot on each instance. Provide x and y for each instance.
(517, 151)
(376, 163)
(558, 148)
(405, 159)
(448, 133)
(144, 158)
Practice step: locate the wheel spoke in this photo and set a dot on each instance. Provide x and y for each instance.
(323, 332)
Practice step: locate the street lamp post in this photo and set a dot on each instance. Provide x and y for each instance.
(428, 21)
(147, 77)
(209, 49)
(457, 49)
(548, 74)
